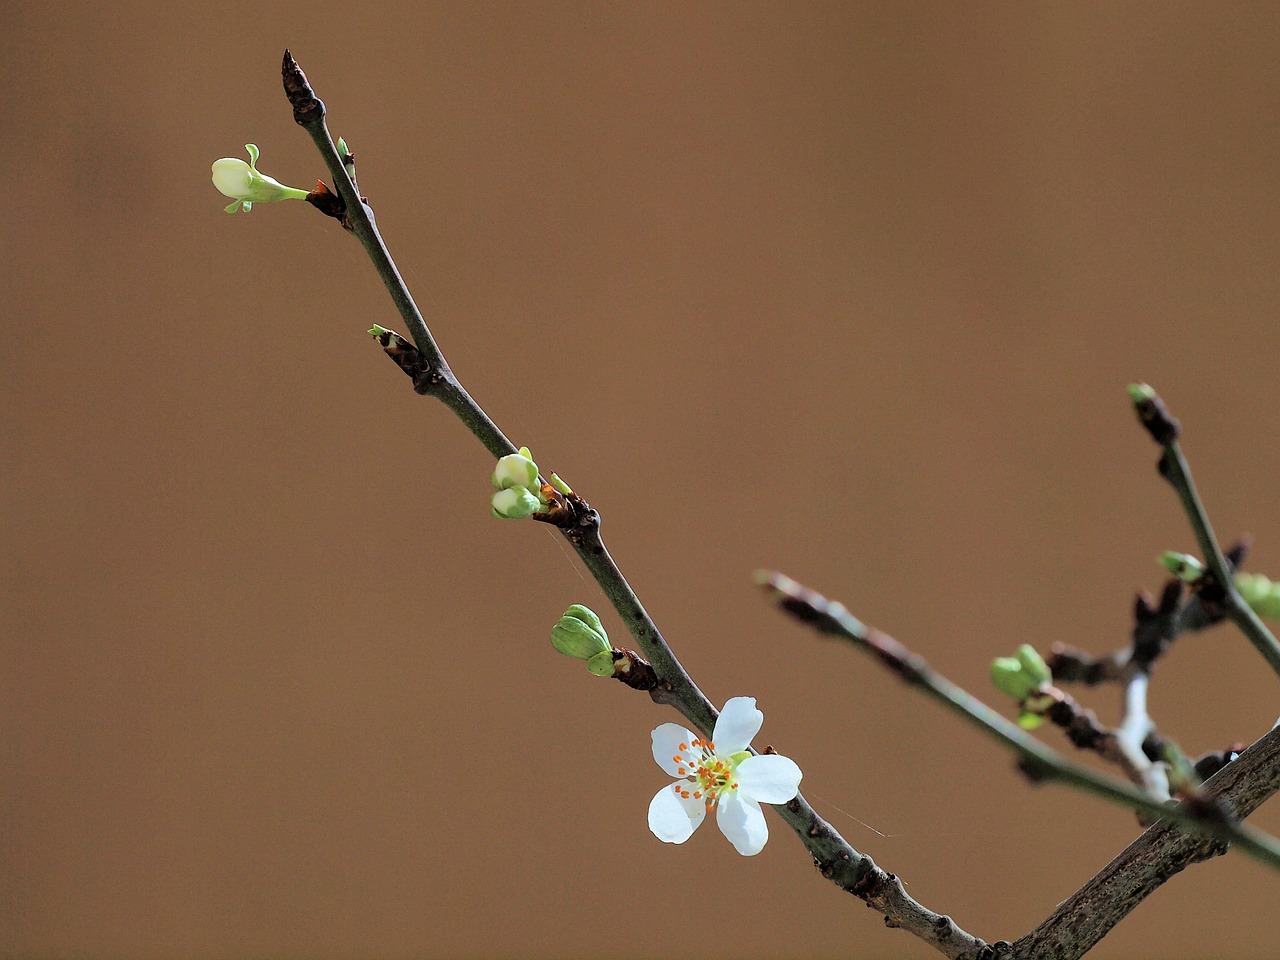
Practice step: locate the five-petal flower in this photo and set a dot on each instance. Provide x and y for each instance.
(720, 773)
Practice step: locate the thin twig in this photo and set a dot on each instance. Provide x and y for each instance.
(1164, 429)
(1038, 760)
(836, 859)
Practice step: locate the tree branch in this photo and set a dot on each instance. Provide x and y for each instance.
(425, 364)
(1164, 429)
(1088, 915)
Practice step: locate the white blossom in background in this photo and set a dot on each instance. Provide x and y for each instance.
(722, 774)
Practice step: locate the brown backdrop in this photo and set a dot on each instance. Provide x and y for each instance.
(852, 291)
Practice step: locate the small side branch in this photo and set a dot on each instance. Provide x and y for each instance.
(309, 113)
(1220, 586)
(1037, 760)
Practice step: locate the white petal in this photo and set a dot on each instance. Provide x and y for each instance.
(669, 742)
(738, 723)
(769, 778)
(672, 818)
(232, 177)
(742, 821)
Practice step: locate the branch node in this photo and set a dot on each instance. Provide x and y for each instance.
(330, 204)
(409, 359)
(307, 107)
(1154, 415)
(634, 670)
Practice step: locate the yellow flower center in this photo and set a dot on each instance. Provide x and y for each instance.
(706, 775)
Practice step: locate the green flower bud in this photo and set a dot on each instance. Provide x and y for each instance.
(516, 470)
(515, 504)
(587, 616)
(601, 665)
(1260, 593)
(580, 634)
(1182, 565)
(1006, 674)
(246, 186)
(1029, 721)
(1033, 665)
(560, 485)
(1020, 675)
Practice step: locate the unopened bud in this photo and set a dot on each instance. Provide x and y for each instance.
(1020, 675)
(580, 634)
(1260, 593)
(516, 470)
(1182, 565)
(515, 504)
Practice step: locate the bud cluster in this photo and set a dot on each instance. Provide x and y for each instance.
(516, 480)
(1023, 676)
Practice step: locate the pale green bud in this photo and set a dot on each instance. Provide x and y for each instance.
(1033, 665)
(1009, 679)
(515, 503)
(1182, 565)
(1020, 675)
(1029, 721)
(516, 470)
(580, 634)
(601, 665)
(1260, 593)
(587, 616)
(246, 186)
(560, 485)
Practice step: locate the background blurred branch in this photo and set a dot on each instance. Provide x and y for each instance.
(1161, 852)
(1039, 761)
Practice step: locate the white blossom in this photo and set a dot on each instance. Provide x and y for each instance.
(720, 773)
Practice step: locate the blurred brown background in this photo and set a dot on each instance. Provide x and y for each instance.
(851, 291)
